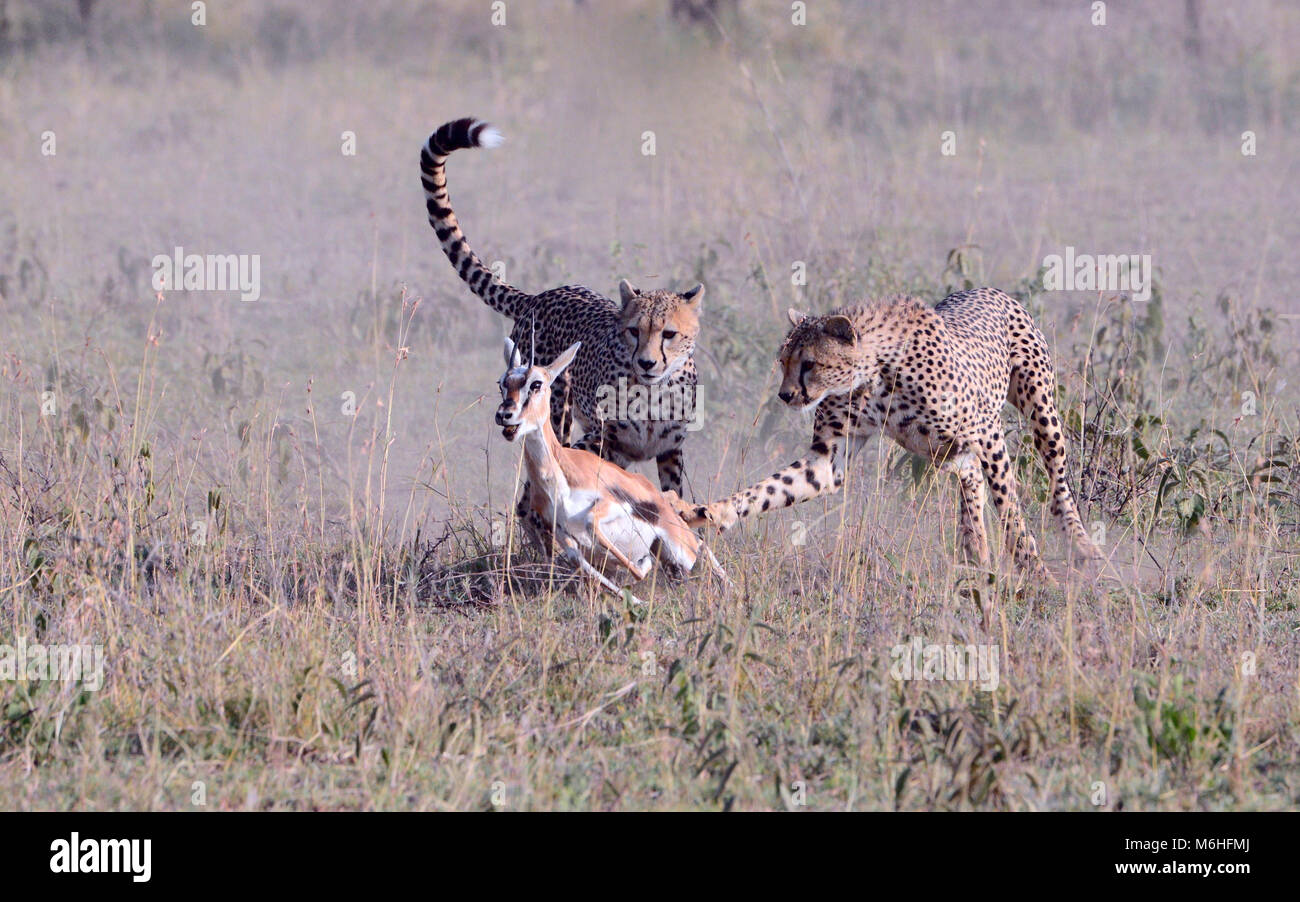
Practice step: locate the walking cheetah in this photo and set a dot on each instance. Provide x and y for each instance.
(648, 340)
(935, 380)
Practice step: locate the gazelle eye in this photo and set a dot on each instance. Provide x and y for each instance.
(536, 386)
(669, 334)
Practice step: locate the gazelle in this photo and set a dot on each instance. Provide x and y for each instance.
(602, 515)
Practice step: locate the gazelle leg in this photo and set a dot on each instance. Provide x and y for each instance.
(604, 581)
(575, 555)
(716, 568)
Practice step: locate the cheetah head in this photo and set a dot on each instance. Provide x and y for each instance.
(659, 329)
(819, 358)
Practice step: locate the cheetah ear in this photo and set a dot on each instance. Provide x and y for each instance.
(840, 327)
(627, 291)
(561, 363)
(512, 354)
(795, 316)
(694, 296)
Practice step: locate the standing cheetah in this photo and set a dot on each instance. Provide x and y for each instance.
(935, 380)
(649, 340)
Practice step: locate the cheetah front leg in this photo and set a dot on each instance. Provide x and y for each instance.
(536, 528)
(670, 466)
(820, 473)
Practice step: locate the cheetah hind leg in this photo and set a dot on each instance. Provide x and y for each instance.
(1032, 390)
(996, 467)
(974, 537)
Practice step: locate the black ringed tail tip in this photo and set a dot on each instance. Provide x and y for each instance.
(451, 136)
(461, 134)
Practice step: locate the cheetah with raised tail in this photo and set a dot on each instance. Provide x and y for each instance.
(935, 380)
(648, 339)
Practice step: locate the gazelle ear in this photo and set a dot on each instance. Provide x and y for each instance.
(627, 291)
(795, 316)
(561, 363)
(512, 354)
(841, 328)
(694, 296)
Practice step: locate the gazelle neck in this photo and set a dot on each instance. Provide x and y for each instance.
(543, 456)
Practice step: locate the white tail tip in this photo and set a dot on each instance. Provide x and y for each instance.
(490, 137)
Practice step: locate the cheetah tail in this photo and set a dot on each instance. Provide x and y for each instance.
(457, 135)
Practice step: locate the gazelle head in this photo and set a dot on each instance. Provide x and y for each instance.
(526, 391)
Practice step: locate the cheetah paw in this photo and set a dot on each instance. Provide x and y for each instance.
(680, 507)
(721, 515)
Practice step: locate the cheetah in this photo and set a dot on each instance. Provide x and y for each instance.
(646, 340)
(935, 380)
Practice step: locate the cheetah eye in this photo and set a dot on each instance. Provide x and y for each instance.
(807, 366)
(669, 334)
(631, 330)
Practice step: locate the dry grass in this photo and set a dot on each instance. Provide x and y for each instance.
(306, 609)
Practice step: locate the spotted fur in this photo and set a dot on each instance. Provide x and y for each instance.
(647, 339)
(935, 380)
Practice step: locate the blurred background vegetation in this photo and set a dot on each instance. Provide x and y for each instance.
(775, 143)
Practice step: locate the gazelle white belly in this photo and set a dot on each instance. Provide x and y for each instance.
(572, 512)
(635, 538)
